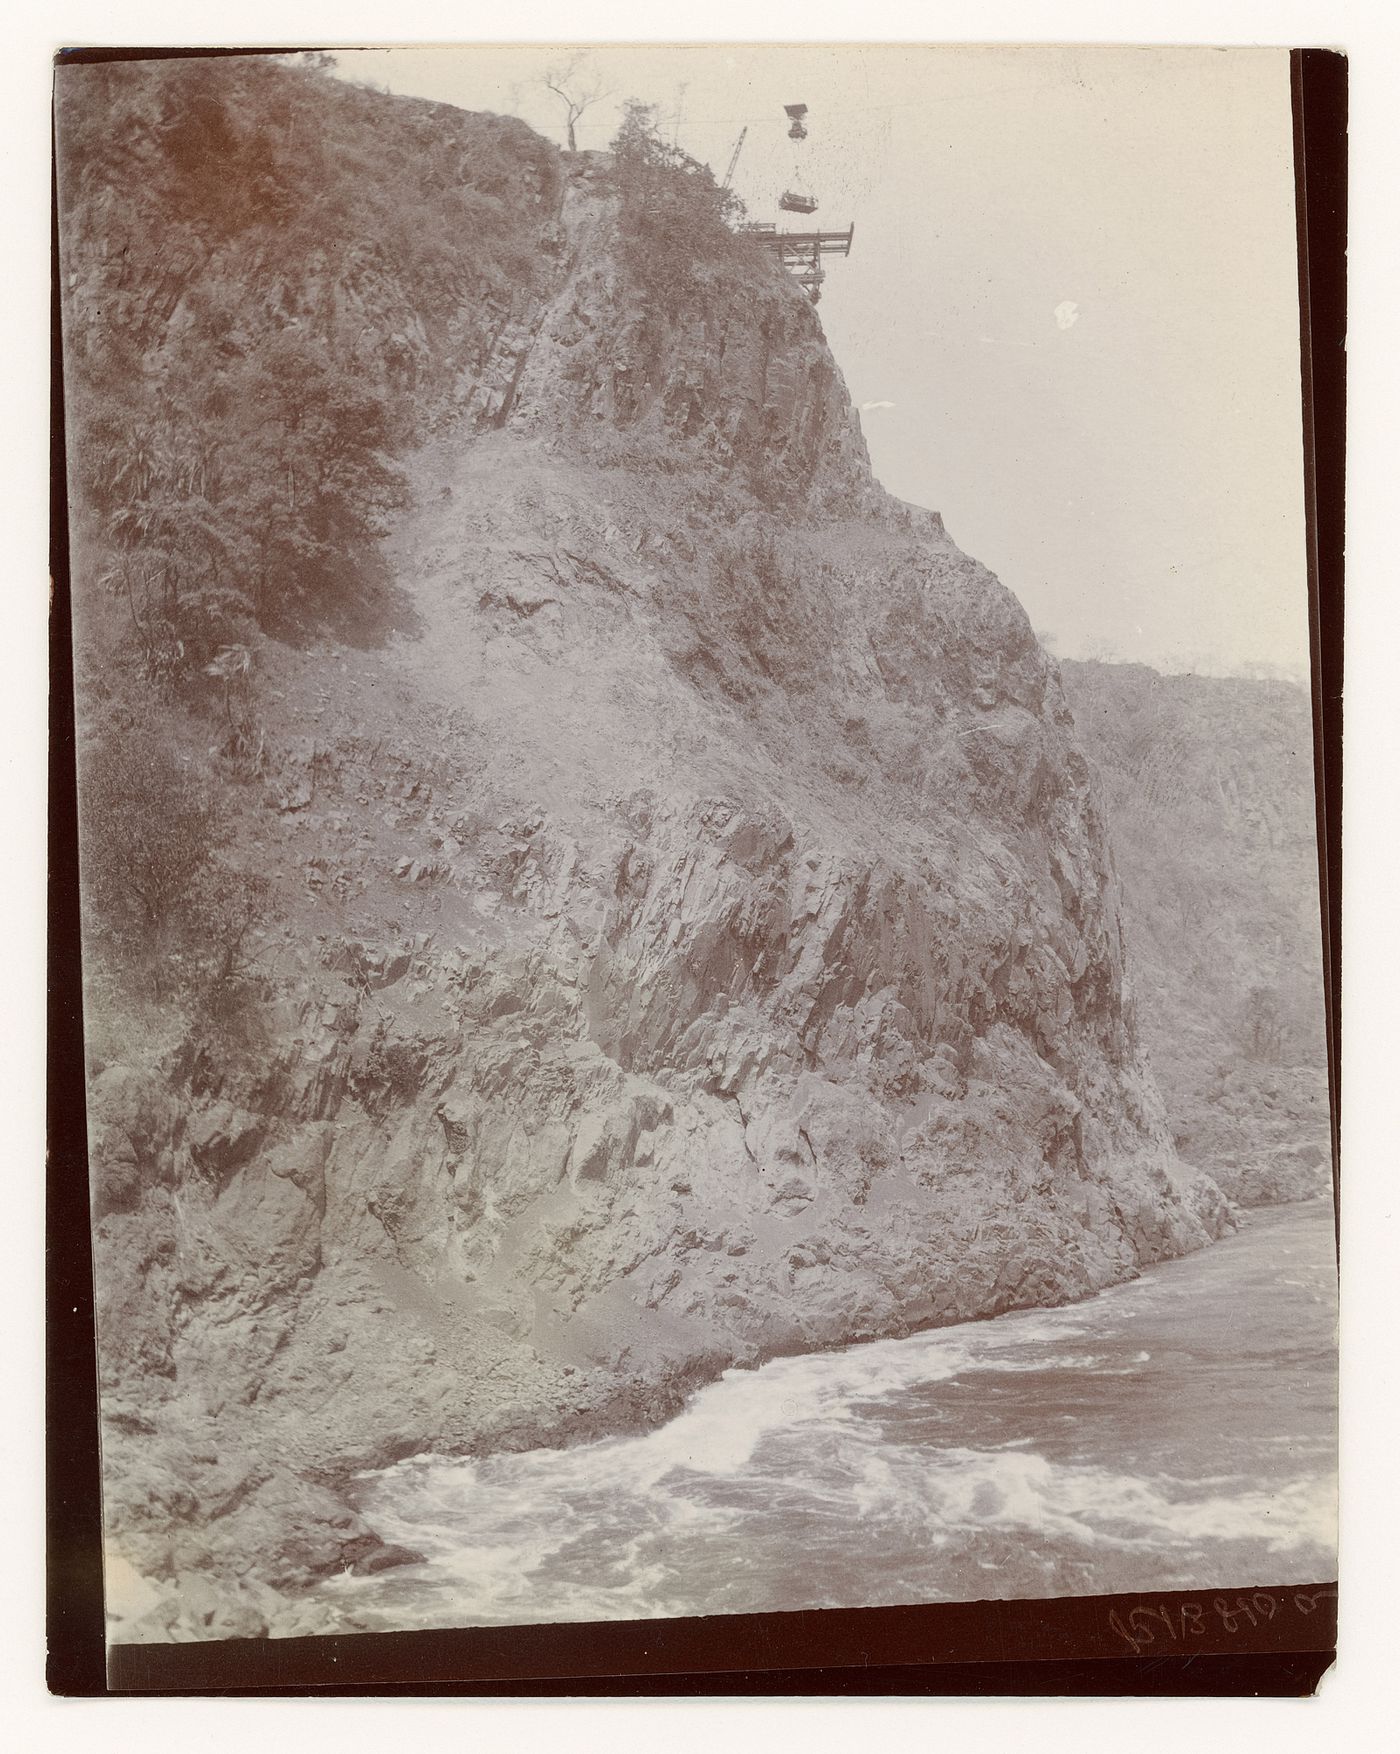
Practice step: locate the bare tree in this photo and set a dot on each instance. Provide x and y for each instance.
(577, 87)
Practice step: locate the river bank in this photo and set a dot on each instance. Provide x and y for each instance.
(1174, 1432)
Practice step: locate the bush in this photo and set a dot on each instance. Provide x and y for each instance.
(249, 309)
(163, 905)
(675, 218)
(391, 1071)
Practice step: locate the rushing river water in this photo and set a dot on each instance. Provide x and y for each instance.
(1174, 1433)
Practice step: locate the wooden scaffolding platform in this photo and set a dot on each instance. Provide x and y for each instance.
(801, 252)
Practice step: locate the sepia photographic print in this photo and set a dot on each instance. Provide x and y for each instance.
(662, 1041)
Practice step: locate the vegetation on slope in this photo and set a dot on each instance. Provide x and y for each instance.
(250, 314)
(675, 222)
(260, 332)
(257, 329)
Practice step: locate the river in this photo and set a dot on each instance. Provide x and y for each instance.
(1177, 1432)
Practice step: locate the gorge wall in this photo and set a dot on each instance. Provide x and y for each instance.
(1208, 787)
(686, 930)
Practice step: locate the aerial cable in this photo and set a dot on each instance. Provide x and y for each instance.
(944, 98)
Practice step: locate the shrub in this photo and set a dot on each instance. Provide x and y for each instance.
(248, 306)
(675, 218)
(163, 905)
(392, 1070)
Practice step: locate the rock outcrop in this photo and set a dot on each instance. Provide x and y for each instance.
(692, 937)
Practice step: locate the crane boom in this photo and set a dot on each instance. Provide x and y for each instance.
(734, 157)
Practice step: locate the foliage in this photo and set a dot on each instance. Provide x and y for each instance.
(249, 308)
(257, 326)
(170, 908)
(392, 1069)
(675, 219)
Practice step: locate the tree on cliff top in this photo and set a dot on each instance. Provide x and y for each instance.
(675, 216)
(578, 88)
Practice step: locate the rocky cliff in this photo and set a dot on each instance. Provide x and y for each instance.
(686, 932)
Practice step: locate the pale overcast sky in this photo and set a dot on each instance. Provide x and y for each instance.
(1070, 314)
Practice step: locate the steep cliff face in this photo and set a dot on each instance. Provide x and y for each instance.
(722, 366)
(691, 937)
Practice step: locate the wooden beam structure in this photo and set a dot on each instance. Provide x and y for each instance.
(827, 243)
(801, 252)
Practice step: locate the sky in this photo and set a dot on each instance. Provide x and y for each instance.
(1069, 318)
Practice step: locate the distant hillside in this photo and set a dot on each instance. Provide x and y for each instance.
(1209, 787)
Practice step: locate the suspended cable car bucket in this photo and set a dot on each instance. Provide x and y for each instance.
(795, 111)
(797, 132)
(795, 203)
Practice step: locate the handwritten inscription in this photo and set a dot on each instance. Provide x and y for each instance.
(1180, 1622)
